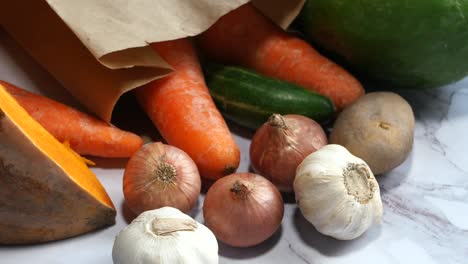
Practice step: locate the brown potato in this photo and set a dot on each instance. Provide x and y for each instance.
(378, 128)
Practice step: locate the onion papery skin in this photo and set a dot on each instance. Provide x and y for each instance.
(145, 190)
(245, 217)
(280, 145)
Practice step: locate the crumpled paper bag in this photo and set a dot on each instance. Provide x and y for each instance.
(99, 50)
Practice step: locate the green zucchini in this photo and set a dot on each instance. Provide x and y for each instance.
(248, 98)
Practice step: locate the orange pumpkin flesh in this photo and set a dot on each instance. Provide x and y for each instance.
(46, 191)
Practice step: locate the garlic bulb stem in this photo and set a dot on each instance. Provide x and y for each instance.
(357, 181)
(167, 226)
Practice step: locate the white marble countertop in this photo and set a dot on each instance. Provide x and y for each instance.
(425, 199)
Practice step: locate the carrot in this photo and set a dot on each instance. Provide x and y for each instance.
(182, 109)
(246, 37)
(86, 134)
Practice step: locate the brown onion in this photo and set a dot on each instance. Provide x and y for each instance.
(280, 145)
(159, 175)
(243, 209)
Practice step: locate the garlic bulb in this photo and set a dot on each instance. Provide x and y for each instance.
(165, 235)
(337, 193)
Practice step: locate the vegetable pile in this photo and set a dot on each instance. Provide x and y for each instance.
(254, 74)
(245, 37)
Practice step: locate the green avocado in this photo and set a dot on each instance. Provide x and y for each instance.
(403, 43)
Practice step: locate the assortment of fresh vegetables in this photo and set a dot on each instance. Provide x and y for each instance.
(280, 145)
(249, 98)
(243, 209)
(248, 38)
(378, 128)
(337, 193)
(161, 175)
(165, 235)
(286, 88)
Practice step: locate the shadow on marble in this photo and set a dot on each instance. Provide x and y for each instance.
(206, 185)
(108, 163)
(288, 197)
(395, 177)
(129, 116)
(250, 252)
(127, 214)
(251, 169)
(430, 106)
(240, 131)
(197, 209)
(47, 244)
(327, 245)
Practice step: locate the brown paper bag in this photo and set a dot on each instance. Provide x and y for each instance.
(99, 50)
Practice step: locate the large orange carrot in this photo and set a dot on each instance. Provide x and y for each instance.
(246, 37)
(86, 134)
(182, 109)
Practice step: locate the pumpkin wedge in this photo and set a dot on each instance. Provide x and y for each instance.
(46, 191)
